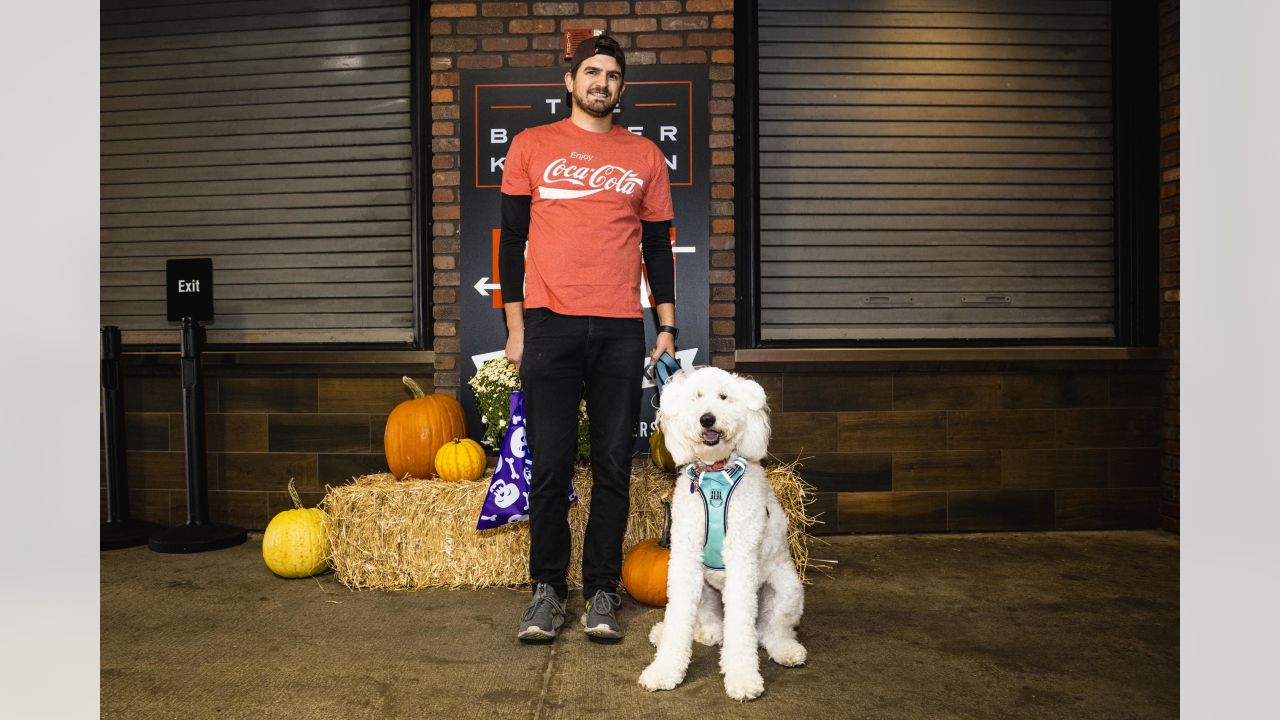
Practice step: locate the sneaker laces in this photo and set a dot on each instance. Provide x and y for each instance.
(610, 602)
(540, 597)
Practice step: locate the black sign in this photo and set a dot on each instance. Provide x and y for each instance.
(668, 105)
(189, 288)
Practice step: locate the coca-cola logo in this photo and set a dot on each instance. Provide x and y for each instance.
(592, 180)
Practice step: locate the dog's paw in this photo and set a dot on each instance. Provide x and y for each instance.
(655, 634)
(743, 686)
(658, 677)
(708, 635)
(788, 653)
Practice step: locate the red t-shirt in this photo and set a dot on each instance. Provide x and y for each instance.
(590, 191)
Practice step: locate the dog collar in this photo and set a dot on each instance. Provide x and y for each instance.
(732, 467)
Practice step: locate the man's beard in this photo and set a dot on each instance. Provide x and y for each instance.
(606, 111)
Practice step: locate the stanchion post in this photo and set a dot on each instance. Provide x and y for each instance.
(119, 531)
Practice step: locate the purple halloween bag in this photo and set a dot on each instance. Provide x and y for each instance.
(508, 498)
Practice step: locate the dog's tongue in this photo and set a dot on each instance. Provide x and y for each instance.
(710, 437)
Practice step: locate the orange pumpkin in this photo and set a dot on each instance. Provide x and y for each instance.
(417, 428)
(460, 460)
(644, 570)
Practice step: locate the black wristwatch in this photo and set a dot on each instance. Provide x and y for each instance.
(675, 331)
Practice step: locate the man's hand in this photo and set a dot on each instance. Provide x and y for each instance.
(514, 313)
(664, 343)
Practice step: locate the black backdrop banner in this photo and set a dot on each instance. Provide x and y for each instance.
(668, 105)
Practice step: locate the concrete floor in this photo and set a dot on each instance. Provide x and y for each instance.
(1036, 625)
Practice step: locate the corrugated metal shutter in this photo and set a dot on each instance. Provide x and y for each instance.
(935, 169)
(273, 136)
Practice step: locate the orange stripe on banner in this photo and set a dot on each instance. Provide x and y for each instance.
(655, 105)
(496, 294)
(510, 107)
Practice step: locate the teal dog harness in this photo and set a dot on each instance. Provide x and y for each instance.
(715, 486)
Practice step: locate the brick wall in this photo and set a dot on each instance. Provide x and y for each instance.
(1169, 259)
(488, 35)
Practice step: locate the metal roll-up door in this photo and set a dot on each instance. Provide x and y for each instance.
(274, 137)
(935, 169)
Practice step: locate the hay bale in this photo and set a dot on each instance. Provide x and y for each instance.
(407, 535)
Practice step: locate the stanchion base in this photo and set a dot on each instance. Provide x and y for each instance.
(197, 538)
(127, 534)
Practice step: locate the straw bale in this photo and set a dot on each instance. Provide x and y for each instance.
(393, 534)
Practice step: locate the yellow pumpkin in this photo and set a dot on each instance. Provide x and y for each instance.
(460, 460)
(417, 428)
(295, 544)
(659, 455)
(644, 570)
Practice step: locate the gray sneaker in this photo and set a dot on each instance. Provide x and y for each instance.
(544, 616)
(599, 621)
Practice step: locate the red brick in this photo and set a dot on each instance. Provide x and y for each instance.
(445, 328)
(676, 57)
(685, 22)
(721, 207)
(722, 191)
(721, 72)
(446, 279)
(446, 212)
(722, 90)
(448, 345)
(443, 195)
(723, 360)
(443, 229)
(723, 328)
(633, 25)
(441, 63)
(606, 8)
(711, 39)
(658, 41)
(537, 25)
(547, 42)
(505, 44)
(722, 225)
(666, 7)
(722, 123)
(721, 140)
(724, 292)
(445, 178)
(720, 277)
(440, 27)
(722, 174)
(583, 24)
(444, 262)
(479, 62)
(448, 244)
(709, 6)
(722, 22)
(441, 162)
(721, 157)
(439, 9)
(445, 79)
(442, 128)
(444, 112)
(722, 56)
(442, 95)
(722, 259)
(504, 9)
(452, 45)
(532, 59)
(720, 242)
(445, 362)
(479, 27)
(444, 296)
(642, 57)
(555, 8)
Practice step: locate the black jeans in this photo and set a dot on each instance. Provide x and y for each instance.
(568, 358)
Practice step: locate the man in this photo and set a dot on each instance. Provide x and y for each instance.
(588, 199)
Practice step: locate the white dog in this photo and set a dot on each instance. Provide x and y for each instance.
(716, 424)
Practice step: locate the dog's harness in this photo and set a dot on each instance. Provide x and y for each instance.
(715, 485)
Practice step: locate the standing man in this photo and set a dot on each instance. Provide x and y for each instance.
(588, 199)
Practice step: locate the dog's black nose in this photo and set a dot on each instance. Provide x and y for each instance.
(707, 420)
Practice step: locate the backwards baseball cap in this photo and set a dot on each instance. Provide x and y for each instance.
(598, 45)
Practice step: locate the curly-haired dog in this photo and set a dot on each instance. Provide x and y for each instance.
(731, 580)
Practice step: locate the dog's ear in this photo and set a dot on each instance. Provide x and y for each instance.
(752, 394)
(754, 441)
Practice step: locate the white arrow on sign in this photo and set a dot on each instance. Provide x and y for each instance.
(484, 287)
